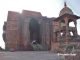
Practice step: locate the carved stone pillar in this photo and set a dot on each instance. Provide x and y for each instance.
(67, 31)
(75, 32)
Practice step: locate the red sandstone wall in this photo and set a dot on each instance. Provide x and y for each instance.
(31, 13)
(12, 34)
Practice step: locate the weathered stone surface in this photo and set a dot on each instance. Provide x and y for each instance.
(29, 55)
(21, 29)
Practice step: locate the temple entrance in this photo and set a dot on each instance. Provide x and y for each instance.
(34, 29)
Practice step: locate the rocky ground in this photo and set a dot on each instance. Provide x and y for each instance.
(29, 55)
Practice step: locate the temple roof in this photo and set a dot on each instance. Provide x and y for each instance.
(65, 10)
(68, 15)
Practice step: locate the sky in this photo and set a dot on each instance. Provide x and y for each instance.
(49, 8)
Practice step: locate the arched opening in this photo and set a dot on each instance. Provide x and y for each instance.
(62, 23)
(71, 33)
(61, 34)
(71, 24)
(34, 29)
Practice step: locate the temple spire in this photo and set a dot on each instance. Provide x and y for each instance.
(65, 4)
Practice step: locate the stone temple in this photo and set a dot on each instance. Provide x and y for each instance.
(22, 30)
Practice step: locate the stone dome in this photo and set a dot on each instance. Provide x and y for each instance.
(65, 10)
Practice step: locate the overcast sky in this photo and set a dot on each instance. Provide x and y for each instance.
(49, 8)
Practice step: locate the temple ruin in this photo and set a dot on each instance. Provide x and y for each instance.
(23, 30)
